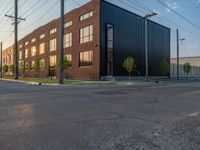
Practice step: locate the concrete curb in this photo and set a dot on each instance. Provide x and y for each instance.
(19, 81)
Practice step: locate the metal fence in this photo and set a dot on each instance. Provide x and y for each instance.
(194, 73)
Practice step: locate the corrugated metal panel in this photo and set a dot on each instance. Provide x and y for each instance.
(129, 40)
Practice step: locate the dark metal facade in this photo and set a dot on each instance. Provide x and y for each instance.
(129, 40)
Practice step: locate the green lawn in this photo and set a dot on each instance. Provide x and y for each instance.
(54, 81)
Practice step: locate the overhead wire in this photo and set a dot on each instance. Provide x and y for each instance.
(165, 19)
(44, 14)
(179, 15)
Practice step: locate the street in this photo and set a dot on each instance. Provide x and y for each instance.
(151, 116)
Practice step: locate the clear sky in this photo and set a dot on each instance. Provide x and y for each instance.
(40, 12)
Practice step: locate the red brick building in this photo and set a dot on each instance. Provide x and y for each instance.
(90, 43)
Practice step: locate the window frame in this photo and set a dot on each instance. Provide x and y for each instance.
(86, 37)
(90, 59)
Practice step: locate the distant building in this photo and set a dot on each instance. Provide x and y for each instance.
(98, 37)
(7, 58)
(194, 62)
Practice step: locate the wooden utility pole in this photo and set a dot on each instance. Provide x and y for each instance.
(61, 68)
(177, 36)
(16, 21)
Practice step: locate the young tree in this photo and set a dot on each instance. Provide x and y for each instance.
(164, 66)
(66, 63)
(5, 69)
(22, 68)
(129, 65)
(187, 68)
(12, 68)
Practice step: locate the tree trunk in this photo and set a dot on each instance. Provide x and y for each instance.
(129, 76)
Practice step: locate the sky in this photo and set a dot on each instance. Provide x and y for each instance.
(179, 14)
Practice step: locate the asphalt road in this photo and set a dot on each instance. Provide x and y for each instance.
(164, 116)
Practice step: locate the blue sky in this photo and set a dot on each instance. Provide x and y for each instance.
(39, 12)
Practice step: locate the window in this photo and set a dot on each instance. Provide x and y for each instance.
(52, 61)
(20, 65)
(32, 65)
(33, 40)
(42, 36)
(67, 24)
(26, 43)
(42, 48)
(53, 31)
(11, 58)
(86, 34)
(26, 66)
(20, 54)
(68, 40)
(86, 59)
(69, 58)
(42, 64)
(4, 60)
(53, 45)
(26, 53)
(110, 31)
(87, 15)
(33, 51)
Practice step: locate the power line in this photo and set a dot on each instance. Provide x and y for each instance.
(24, 2)
(178, 14)
(166, 19)
(5, 31)
(54, 4)
(76, 2)
(34, 10)
(131, 6)
(2, 13)
(4, 10)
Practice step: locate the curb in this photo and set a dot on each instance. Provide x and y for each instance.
(19, 81)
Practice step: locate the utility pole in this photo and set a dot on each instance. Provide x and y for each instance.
(16, 40)
(1, 48)
(146, 43)
(177, 36)
(178, 39)
(61, 41)
(16, 21)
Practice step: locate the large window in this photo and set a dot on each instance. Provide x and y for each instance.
(86, 34)
(87, 15)
(42, 64)
(86, 59)
(67, 24)
(52, 61)
(42, 36)
(11, 58)
(33, 40)
(68, 40)
(33, 51)
(110, 31)
(53, 45)
(69, 58)
(32, 65)
(26, 66)
(26, 53)
(20, 54)
(53, 31)
(42, 48)
(26, 43)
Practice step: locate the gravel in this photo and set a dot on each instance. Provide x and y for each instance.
(181, 134)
